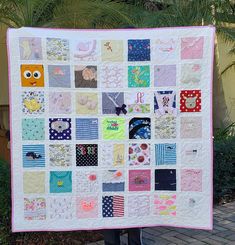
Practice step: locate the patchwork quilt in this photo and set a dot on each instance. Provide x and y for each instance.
(111, 128)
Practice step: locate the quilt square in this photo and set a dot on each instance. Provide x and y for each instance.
(139, 180)
(138, 76)
(112, 76)
(57, 49)
(191, 180)
(87, 207)
(113, 206)
(85, 50)
(165, 154)
(165, 103)
(139, 50)
(165, 127)
(86, 155)
(30, 48)
(113, 180)
(60, 181)
(113, 128)
(59, 76)
(60, 103)
(61, 208)
(87, 182)
(138, 102)
(165, 205)
(113, 155)
(35, 208)
(112, 101)
(33, 129)
(165, 49)
(164, 75)
(192, 48)
(190, 100)
(165, 180)
(33, 156)
(60, 155)
(190, 127)
(34, 182)
(138, 206)
(86, 129)
(32, 75)
(87, 103)
(112, 50)
(33, 102)
(139, 154)
(191, 153)
(60, 128)
(140, 128)
(191, 74)
(85, 76)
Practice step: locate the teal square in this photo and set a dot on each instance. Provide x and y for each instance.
(60, 181)
(33, 129)
(138, 76)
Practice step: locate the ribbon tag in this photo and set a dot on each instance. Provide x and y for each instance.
(121, 109)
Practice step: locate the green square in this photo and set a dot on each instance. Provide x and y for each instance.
(113, 128)
(138, 76)
(33, 129)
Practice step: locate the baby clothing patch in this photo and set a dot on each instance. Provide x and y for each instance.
(30, 48)
(59, 76)
(61, 208)
(33, 129)
(165, 205)
(32, 75)
(86, 155)
(165, 49)
(112, 50)
(113, 180)
(138, 76)
(192, 48)
(33, 102)
(139, 180)
(57, 49)
(165, 154)
(138, 102)
(85, 76)
(112, 155)
(113, 206)
(164, 75)
(60, 128)
(60, 181)
(191, 153)
(112, 76)
(87, 207)
(85, 50)
(191, 74)
(165, 180)
(113, 128)
(60, 103)
(139, 154)
(140, 128)
(190, 127)
(86, 128)
(138, 206)
(87, 103)
(87, 181)
(190, 100)
(35, 208)
(111, 102)
(34, 182)
(33, 156)
(191, 180)
(139, 50)
(60, 155)
(165, 127)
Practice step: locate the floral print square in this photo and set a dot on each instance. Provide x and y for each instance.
(138, 76)
(139, 154)
(35, 208)
(57, 49)
(85, 76)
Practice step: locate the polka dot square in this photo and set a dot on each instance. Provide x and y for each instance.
(60, 129)
(86, 155)
(190, 101)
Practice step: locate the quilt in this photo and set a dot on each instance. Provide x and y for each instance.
(111, 128)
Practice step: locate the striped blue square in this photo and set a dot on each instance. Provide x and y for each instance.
(165, 154)
(33, 156)
(87, 128)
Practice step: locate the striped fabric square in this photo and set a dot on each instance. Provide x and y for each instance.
(165, 154)
(86, 128)
(33, 156)
(113, 206)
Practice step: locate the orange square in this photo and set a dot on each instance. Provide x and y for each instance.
(32, 75)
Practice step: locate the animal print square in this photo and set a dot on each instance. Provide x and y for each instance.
(190, 100)
(60, 129)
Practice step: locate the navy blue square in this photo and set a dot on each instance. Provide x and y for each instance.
(139, 50)
(165, 180)
(107, 208)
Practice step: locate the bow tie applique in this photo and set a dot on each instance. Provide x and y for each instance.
(121, 109)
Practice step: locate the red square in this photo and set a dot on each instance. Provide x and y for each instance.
(190, 101)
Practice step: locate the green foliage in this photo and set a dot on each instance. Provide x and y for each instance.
(224, 133)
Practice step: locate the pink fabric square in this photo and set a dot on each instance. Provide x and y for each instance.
(191, 180)
(139, 180)
(87, 207)
(165, 205)
(192, 47)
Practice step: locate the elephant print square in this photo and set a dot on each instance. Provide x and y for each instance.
(86, 155)
(190, 127)
(60, 155)
(139, 154)
(60, 128)
(57, 49)
(112, 76)
(35, 208)
(33, 129)
(112, 155)
(113, 128)
(138, 76)
(165, 205)
(87, 207)
(59, 76)
(165, 49)
(60, 103)
(33, 102)
(85, 50)
(30, 48)
(61, 208)
(164, 75)
(165, 180)
(87, 182)
(138, 206)
(32, 75)
(34, 182)
(191, 180)
(192, 48)
(139, 50)
(190, 100)
(87, 103)
(191, 74)
(165, 127)
(112, 50)
(140, 128)
(33, 156)
(85, 76)
(87, 129)
(111, 102)
(140, 180)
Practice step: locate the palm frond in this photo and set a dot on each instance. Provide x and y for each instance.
(229, 67)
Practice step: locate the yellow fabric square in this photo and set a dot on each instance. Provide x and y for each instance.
(118, 154)
(87, 103)
(113, 128)
(112, 50)
(34, 182)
